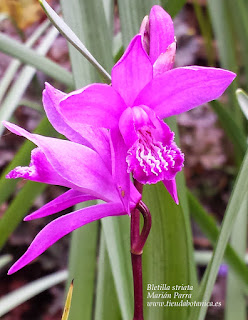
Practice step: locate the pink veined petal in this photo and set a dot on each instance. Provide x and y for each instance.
(98, 105)
(64, 225)
(182, 89)
(76, 163)
(171, 187)
(165, 61)
(51, 99)
(39, 170)
(161, 32)
(95, 138)
(119, 168)
(62, 202)
(127, 127)
(132, 72)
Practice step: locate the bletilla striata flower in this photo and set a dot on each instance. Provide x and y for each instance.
(115, 130)
(83, 165)
(145, 90)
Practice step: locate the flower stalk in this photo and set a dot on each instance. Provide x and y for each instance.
(137, 243)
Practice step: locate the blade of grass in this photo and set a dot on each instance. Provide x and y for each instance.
(18, 208)
(4, 260)
(208, 226)
(17, 297)
(131, 15)
(173, 7)
(16, 92)
(235, 299)
(108, 6)
(238, 195)
(33, 105)
(82, 268)
(116, 233)
(65, 30)
(67, 307)
(35, 59)
(107, 306)
(232, 130)
(243, 101)
(223, 30)
(205, 28)
(10, 73)
(238, 12)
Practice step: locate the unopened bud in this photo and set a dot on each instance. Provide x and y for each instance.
(144, 31)
(165, 61)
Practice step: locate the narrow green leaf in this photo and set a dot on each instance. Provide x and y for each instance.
(208, 226)
(35, 59)
(67, 307)
(17, 297)
(65, 30)
(243, 101)
(238, 13)
(108, 6)
(131, 15)
(165, 258)
(18, 208)
(223, 29)
(32, 104)
(202, 258)
(205, 27)
(117, 236)
(235, 299)
(10, 73)
(173, 7)
(16, 92)
(107, 305)
(233, 131)
(238, 196)
(4, 260)
(82, 268)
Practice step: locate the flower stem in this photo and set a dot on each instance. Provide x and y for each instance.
(137, 243)
(137, 267)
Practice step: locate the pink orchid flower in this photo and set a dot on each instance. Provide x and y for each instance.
(145, 90)
(114, 131)
(84, 166)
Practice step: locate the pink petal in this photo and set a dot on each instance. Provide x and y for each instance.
(182, 89)
(127, 127)
(64, 225)
(161, 32)
(132, 72)
(39, 170)
(119, 168)
(98, 105)
(66, 200)
(74, 162)
(95, 138)
(51, 99)
(171, 187)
